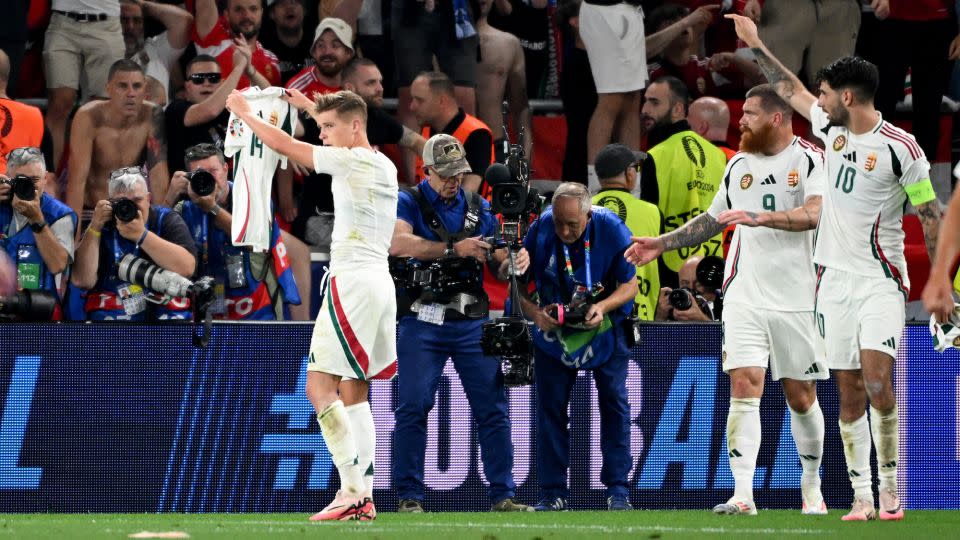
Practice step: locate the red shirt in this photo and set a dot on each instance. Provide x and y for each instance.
(920, 10)
(308, 83)
(695, 74)
(219, 44)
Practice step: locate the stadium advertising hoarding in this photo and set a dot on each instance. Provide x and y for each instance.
(132, 418)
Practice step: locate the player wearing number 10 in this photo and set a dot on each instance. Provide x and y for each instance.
(873, 168)
(768, 288)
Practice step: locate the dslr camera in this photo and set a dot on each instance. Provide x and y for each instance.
(124, 209)
(682, 298)
(22, 187)
(202, 182)
(28, 305)
(571, 315)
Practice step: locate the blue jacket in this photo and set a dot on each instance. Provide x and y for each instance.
(22, 246)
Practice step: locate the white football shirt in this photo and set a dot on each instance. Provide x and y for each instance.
(770, 268)
(253, 167)
(365, 205)
(860, 227)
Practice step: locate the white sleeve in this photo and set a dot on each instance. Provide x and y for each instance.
(815, 177)
(914, 169)
(165, 52)
(330, 160)
(818, 122)
(236, 136)
(721, 201)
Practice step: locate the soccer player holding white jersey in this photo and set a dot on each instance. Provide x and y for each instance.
(873, 168)
(768, 289)
(354, 339)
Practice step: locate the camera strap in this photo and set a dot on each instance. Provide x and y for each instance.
(471, 218)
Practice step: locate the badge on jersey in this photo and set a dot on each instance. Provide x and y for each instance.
(839, 143)
(793, 178)
(871, 162)
(746, 181)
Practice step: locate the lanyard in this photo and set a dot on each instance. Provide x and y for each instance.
(586, 259)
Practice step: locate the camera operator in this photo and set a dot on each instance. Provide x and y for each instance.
(438, 220)
(125, 223)
(693, 301)
(36, 230)
(586, 290)
(246, 282)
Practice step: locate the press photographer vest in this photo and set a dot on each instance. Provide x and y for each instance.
(469, 125)
(471, 221)
(689, 170)
(104, 303)
(21, 247)
(246, 297)
(643, 219)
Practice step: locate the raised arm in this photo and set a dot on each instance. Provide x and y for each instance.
(801, 218)
(176, 20)
(271, 136)
(657, 42)
(788, 85)
(157, 156)
(207, 15)
(210, 108)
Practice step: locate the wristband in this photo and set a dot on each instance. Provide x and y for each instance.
(95, 232)
(142, 238)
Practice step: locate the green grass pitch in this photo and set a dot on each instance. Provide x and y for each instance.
(926, 525)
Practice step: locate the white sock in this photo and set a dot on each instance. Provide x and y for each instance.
(365, 437)
(335, 425)
(856, 449)
(886, 439)
(593, 181)
(807, 429)
(743, 444)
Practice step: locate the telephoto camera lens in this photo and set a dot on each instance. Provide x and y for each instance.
(680, 299)
(23, 187)
(124, 210)
(202, 182)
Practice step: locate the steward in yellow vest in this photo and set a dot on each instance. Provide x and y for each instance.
(616, 167)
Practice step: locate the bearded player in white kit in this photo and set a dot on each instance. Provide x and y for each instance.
(873, 168)
(354, 339)
(767, 289)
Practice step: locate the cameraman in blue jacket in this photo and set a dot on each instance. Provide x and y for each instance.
(582, 315)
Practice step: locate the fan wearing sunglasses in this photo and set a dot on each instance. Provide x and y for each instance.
(202, 116)
(125, 130)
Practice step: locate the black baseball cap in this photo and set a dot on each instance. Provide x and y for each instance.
(613, 159)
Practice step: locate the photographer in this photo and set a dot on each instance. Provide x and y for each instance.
(438, 221)
(694, 300)
(585, 289)
(125, 223)
(247, 282)
(36, 230)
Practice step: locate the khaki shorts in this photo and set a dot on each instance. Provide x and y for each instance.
(856, 312)
(355, 335)
(786, 341)
(790, 29)
(78, 55)
(616, 46)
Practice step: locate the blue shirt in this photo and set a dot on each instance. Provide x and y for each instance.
(451, 213)
(610, 237)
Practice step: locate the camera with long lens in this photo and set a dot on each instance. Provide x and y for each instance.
(509, 338)
(22, 187)
(133, 269)
(28, 305)
(202, 182)
(452, 281)
(124, 209)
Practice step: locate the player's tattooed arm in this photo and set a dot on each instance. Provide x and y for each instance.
(929, 214)
(694, 232)
(803, 218)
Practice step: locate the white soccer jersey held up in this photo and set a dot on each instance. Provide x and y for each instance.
(769, 268)
(868, 176)
(365, 197)
(254, 165)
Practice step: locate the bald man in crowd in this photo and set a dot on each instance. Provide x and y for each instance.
(709, 117)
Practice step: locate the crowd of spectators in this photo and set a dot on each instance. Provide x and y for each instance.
(142, 83)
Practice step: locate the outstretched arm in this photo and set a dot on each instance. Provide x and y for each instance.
(788, 85)
(938, 293)
(271, 136)
(802, 218)
(694, 232)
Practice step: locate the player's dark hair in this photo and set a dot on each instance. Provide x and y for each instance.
(663, 16)
(124, 64)
(852, 73)
(201, 58)
(770, 100)
(678, 91)
(343, 102)
(353, 65)
(438, 82)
